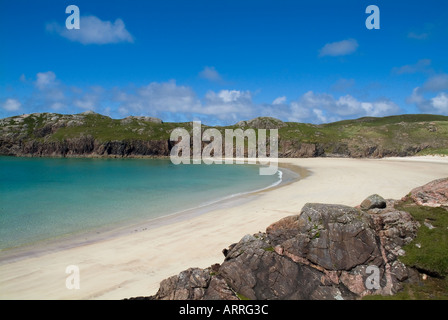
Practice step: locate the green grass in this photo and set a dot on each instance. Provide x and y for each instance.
(430, 289)
(430, 257)
(395, 133)
(106, 129)
(407, 118)
(392, 133)
(433, 151)
(241, 297)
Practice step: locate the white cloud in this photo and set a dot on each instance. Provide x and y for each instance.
(228, 104)
(88, 100)
(339, 48)
(323, 107)
(319, 114)
(343, 85)
(418, 36)
(51, 93)
(421, 66)
(230, 96)
(211, 74)
(279, 100)
(168, 96)
(45, 80)
(57, 106)
(440, 102)
(94, 31)
(416, 97)
(85, 104)
(157, 98)
(173, 102)
(123, 111)
(11, 105)
(437, 104)
(422, 32)
(436, 83)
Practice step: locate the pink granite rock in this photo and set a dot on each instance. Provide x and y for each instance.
(433, 194)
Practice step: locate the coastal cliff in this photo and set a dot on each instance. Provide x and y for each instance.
(332, 252)
(93, 135)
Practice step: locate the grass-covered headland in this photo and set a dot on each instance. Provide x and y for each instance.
(92, 134)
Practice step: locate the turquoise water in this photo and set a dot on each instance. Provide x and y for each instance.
(43, 198)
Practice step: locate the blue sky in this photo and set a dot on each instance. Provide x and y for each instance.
(221, 61)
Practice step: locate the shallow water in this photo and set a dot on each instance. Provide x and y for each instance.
(45, 198)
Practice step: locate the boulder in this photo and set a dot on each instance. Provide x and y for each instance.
(373, 202)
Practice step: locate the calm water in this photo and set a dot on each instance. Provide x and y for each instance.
(43, 198)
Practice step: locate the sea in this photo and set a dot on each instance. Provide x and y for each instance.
(43, 199)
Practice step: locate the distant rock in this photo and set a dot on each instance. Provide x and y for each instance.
(262, 123)
(129, 119)
(88, 112)
(295, 149)
(433, 194)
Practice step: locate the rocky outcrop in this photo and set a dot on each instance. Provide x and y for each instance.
(262, 123)
(86, 146)
(296, 149)
(328, 251)
(433, 194)
(334, 237)
(130, 119)
(195, 284)
(50, 134)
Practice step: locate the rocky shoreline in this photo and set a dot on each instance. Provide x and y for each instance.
(326, 252)
(93, 135)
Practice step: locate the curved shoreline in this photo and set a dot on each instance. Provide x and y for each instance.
(135, 264)
(93, 236)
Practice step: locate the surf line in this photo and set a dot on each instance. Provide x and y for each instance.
(212, 152)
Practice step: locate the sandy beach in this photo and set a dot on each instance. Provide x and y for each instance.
(134, 264)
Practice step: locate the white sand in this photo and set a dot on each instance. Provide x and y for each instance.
(134, 264)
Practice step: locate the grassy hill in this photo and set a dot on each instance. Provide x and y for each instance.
(400, 135)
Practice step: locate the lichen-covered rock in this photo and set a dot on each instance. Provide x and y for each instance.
(335, 237)
(255, 271)
(395, 229)
(195, 284)
(262, 123)
(373, 202)
(130, 119)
